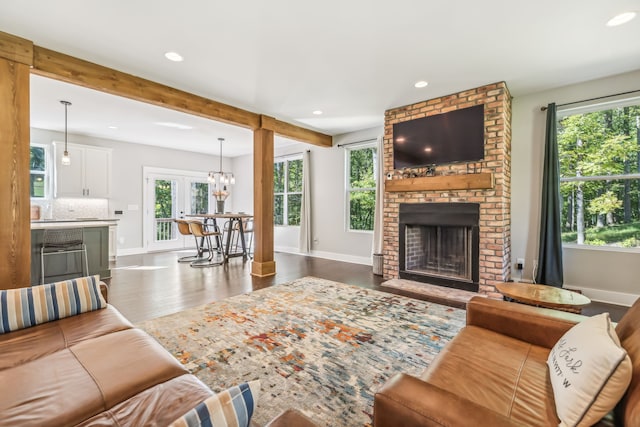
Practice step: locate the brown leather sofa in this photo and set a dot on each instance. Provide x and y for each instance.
(494, 372)
(95, 369)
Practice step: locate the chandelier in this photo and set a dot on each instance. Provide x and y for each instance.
(220, 180)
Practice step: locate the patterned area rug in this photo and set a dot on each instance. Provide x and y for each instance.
(319, 346)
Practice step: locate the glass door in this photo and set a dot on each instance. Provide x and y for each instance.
(169, 197)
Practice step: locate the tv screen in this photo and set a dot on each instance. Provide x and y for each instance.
(455, 136)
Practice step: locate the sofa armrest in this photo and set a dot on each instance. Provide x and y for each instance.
(104, 290)
(408, 401)
(535, 325)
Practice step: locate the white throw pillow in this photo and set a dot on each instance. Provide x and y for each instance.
(589, 371)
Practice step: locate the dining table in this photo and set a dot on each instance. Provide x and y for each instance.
(235, 222)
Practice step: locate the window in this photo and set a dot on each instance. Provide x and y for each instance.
(361, 187)
(599, 174)
(199, 197)
(287, 191)
(39, 164)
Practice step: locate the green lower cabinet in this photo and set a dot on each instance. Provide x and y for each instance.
(67, 266)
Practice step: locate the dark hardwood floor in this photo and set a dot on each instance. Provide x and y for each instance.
(151, 285)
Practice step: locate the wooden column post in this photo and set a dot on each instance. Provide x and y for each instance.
(16, 56)
(263, 263)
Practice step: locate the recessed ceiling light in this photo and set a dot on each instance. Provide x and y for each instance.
(174, 125)
(174, 56)
(317, 112)
(112, 127)
(421, 84)
(620, 19)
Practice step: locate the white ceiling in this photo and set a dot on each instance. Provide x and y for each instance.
(286, 58)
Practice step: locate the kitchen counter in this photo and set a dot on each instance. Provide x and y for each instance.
(73, 223)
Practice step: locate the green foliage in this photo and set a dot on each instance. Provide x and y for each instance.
(595, 242)
(600, 143)
(614, 235)
(287, 175)
(604, 204)
(362, 181)
(164, 198)
(199, 197)
(37, 158)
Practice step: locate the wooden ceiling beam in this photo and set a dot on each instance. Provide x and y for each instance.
(69, 69)
(59, 66)
(294, 132)
(16, 49)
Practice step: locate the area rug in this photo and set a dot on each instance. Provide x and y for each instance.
(440, 294)
(321, 347)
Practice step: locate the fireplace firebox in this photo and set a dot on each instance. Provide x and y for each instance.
(439, 244)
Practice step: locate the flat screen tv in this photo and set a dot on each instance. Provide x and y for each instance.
(455, 136)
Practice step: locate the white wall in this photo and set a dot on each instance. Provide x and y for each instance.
(603, 275)
(127, 179)
(328, 201)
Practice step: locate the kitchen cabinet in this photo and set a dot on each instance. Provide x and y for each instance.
(113, 242)
(58, 267)
(88, 175)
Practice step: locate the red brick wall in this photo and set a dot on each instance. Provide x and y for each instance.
(495, 213)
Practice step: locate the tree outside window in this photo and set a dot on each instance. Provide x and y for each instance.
(38, 172)
(287, 191)
(361, 187)
(600, 176)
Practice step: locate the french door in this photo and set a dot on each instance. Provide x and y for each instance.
(172, 195)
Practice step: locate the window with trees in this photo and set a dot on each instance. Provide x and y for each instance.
(599, 174)
(361, 187)
(38, 171)
(287, 191)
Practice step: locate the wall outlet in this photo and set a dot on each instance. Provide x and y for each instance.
(520, 263)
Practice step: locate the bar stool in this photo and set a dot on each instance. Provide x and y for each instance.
(63, 241)
(183, 228)
(198, 230)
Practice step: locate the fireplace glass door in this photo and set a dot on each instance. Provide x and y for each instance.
(439, 251)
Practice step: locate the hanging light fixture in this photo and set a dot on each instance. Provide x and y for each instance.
(66, 160)
(221, 180)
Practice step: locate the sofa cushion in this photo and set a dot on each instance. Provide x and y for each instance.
(125, 363)
(589, 371)
(22, 346)
(158, 405)
(515, 370)
(26, 307)
(53, 390)
(233, 407)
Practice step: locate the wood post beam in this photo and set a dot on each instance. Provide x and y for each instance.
(263, 263)
(296, 133)
(15, 228)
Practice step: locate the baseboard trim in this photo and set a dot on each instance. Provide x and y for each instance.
(354, 259)
(131, 251)
(609, 297)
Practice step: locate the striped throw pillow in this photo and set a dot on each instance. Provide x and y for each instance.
(230, 408)
(25, 307)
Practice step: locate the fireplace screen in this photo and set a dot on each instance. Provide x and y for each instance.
(439, 251)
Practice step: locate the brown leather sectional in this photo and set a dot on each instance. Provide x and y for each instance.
(95, 369)
(494, 372)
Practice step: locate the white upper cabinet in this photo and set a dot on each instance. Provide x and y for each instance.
(88, 175)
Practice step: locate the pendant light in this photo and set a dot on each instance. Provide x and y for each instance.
(66, 160)
(221, 180)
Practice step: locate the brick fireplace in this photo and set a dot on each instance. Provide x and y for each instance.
(484, 184)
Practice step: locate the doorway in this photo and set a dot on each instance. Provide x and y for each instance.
(172, 194)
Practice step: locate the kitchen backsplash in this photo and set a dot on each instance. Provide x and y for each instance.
(73, 208)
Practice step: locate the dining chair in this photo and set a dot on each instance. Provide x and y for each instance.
(183, 228)
(198, 229)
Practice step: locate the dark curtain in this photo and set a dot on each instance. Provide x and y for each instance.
(550, 255)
